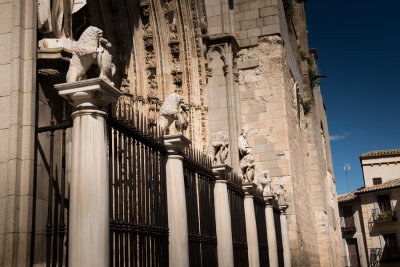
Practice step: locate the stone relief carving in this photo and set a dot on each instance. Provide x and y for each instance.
(264, 182)
(219, 148)
(125, 101)
(169, 112)
(247, 166)
(173, 30)
(169, 6)
(91, 48)
(280, 193)
(150, 58)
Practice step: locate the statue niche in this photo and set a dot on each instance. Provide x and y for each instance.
(90, 49)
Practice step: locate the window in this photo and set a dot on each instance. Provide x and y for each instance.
(384, 202)
(377, 180)
(390, 247)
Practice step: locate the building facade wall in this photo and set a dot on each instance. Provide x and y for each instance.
(359, 230)
(386, 168)
(17, 98)
(259, 76)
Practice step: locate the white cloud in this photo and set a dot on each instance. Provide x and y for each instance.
(339, 136)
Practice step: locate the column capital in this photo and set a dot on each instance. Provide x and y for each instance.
(249, 187)
(269, 199)
(175, 143)
(91, 93)
(283, 208)
(221, 171)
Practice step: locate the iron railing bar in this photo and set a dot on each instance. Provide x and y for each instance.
(49, 128)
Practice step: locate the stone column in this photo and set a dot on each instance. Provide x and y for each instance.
(251, 227)
(285, 236)
(176, 198)
(223, 217)
(271, 235)
(88, 237)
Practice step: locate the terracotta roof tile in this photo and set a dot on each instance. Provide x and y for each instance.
(388, 185)
(381, 153)
(346, 197)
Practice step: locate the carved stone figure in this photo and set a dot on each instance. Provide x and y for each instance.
(264, 182)
(244, 147)
(125, 102)
(279, 192)
(182, 122)
(169, 111)
(247, 166)
(219, 148)
(91, 48)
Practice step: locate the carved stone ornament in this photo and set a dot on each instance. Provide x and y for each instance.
(280, 193)
(219, 148)
(125, 101)
(91, 48)
(169, 6)
(247, 166)
(170, 111)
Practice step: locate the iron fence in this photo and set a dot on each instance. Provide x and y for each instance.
(50, 181)
(138, 203)
(236, 204)
(199, 182)
(278, 231)
(259, 207)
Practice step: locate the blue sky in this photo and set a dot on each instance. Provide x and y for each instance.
(358, 44)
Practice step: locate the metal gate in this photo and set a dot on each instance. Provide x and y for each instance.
(199, 182)
(259, 206)
(138, 206)
(236, 204)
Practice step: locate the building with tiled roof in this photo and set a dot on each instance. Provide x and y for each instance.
(370, 228)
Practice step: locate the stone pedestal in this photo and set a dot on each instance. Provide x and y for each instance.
(88, 239)
(177, 214)
(223, 217)
(285, 236)
(271, 235)
(251, 226)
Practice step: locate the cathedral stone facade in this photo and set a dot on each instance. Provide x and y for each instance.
(242, 66)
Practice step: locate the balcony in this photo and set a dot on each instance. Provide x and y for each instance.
(347, 225)
(379, 216)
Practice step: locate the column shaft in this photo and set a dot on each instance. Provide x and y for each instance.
(285, 240)
(271, 235)
(223, 224)
(88, 242)
(177, 214)
(251, 231)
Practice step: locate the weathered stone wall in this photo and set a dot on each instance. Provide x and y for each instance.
(17, 94)
(274, 85)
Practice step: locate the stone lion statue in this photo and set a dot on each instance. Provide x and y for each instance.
(279, 192)
(247, 166)
(182, 122)
(219, 148)
(91, 48)
(169, 111)
(264, 182)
